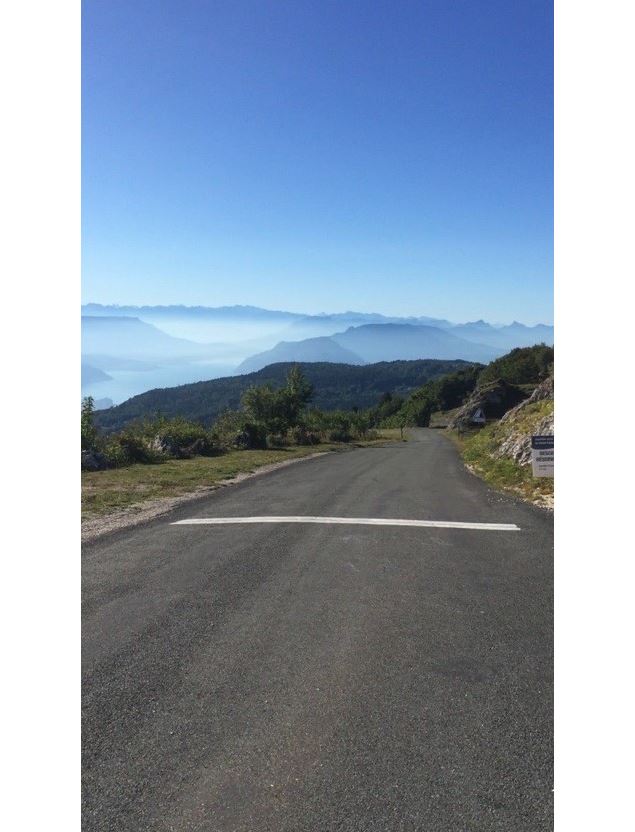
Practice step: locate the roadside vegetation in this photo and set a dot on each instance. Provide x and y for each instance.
(520, 370)
(267, 419)
(498, 452)
(167, 457)
(481, 451)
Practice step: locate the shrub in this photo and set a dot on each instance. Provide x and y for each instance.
(233, 430)
(115, 453)
(360, 423)
(339, 427)
(301, 435)
(135, 446)
(180, 438)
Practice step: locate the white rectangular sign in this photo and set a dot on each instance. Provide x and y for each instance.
(542, 456)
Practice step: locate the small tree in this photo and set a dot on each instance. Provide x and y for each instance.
(89, 431)
(265, 406)
(299, 387)
(278, 410)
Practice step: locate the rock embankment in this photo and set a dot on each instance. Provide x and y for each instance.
(534, 416)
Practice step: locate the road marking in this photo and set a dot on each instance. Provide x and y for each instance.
(353, 521)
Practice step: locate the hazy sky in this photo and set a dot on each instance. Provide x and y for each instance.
(383, 155)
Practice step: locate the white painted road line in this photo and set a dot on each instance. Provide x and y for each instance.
(353, 521)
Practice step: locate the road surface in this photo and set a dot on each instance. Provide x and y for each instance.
(326, 676)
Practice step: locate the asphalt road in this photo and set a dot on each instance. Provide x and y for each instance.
(323, 677)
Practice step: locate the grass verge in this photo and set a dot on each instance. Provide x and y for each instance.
(478, 450)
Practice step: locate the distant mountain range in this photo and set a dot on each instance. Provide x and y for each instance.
(132, 338)
(336, 386)
(207, 342)
(375, 342)
(505, 337)
(177, 311)
(250, 313)
(297, 326)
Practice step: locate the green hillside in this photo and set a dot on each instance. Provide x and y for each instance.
(523, 365)
(337, 387)
(518, 372)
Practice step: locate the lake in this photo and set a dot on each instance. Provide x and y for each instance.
(127, 383)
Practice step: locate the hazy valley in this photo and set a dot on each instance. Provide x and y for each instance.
(128, 350)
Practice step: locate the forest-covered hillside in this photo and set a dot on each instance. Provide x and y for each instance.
(337, 387)
(502, 384)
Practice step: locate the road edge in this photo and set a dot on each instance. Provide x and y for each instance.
(97, 527)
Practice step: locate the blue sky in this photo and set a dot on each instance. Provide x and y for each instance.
(320, 156)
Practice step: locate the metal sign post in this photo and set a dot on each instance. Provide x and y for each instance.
(542, 456)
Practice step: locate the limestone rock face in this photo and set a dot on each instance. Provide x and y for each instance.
(517, 443)
(542, 392)
(494, 399)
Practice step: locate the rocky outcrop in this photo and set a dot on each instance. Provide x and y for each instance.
(517, 445)
(521, 422)
(494, 399)
(542, 392)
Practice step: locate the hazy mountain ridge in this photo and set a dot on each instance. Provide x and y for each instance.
(242, 312)
(308, 350)
(146, 347)
(505, 337)
(176, 310)
(392, 342)
(371, 343)
(92, 374)
(128, 337)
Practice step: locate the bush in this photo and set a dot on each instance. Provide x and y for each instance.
(136, 447)
(180, 438)
(339, 427)
(301, 435)
(232, 430)
(115, 453)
